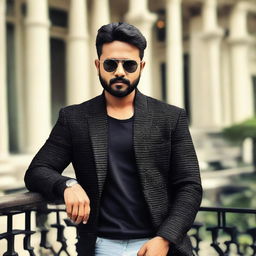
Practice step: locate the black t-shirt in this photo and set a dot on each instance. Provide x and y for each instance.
(124, 213)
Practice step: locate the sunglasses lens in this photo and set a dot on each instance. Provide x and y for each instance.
(130, 66)
(110, 65)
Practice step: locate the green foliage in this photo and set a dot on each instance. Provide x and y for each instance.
(240, 131)
(244, 199)
(240, 199)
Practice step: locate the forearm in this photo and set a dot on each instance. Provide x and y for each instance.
(44, 172)
(45, 181)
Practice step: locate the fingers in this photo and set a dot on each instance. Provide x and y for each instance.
(77, 204)
(155, 246)
(80, 214)
(142, 251)
(69, 209)
(87, 210)
(74, 212)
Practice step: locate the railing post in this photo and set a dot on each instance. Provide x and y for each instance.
(27, 239)
(10, 236)
(60, 233)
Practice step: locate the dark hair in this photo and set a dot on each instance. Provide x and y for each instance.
(120, 31)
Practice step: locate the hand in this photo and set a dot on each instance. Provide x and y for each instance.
(77, 204)
(157, 246)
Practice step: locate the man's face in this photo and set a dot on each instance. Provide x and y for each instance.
(119, 82)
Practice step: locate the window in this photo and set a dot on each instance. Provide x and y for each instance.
(58, 18)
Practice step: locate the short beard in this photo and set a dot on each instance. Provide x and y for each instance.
(116, 93)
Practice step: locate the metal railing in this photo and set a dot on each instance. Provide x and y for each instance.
(225, 236)
(221, 237)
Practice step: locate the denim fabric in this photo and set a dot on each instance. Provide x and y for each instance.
(110, 247)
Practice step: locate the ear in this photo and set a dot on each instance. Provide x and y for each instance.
(97, 65)
(142, 65)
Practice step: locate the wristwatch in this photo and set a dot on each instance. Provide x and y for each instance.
(71, 182)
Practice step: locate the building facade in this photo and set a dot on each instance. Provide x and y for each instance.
(201, 55)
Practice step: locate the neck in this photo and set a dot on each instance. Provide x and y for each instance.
(115, 102)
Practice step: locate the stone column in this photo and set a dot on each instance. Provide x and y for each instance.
(241, 81)
(38, 100)
(175, 87)
(99, 16)
(197, 68)
(78, 54)
(139, 16)
(212, 35)
(19, 78)
(226, 83)
(4, 135)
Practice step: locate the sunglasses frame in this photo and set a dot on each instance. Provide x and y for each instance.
(117, 61)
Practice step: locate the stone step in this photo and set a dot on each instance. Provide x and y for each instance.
(6, 169)
(12, 170)
(213, 151)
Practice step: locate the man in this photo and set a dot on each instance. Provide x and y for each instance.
(137, 187)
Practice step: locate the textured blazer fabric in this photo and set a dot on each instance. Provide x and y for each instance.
(165, 158)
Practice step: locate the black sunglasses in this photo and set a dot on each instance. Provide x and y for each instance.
(110, 65)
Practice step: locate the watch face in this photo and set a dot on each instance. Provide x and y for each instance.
(71, 182)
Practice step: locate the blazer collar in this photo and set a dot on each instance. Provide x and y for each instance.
(97, 106)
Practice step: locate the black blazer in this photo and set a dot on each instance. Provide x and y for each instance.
(165, 158)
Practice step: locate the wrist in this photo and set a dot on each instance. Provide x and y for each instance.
(71, 182)
(167, 242)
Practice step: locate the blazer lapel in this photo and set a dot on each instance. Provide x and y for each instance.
(144, 158)
(98, 133)
(142, 125)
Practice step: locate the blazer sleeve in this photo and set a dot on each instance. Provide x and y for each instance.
(44, 172)
(185, 184)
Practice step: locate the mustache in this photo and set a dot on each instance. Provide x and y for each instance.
(119, 80)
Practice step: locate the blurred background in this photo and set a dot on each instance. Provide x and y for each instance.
(201, 56)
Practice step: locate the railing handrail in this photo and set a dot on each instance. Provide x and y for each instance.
(228, 209)
(19, 201)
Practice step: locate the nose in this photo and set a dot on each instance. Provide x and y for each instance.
(120, 70)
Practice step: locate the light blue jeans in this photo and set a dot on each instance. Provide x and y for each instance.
(113, 247)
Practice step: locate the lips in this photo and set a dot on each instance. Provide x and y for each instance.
(119, 85)
(119, 81)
